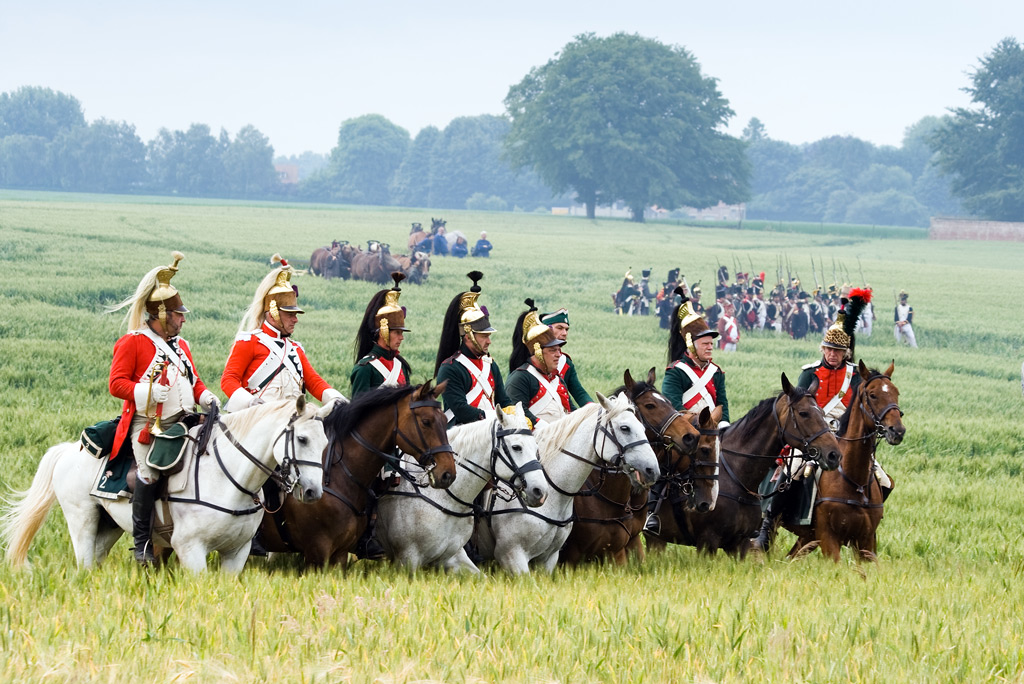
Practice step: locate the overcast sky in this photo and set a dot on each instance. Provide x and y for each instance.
(296, 69)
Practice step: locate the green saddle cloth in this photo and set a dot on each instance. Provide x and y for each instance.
(168, 447)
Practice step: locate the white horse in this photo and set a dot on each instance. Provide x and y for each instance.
(212, 511)
(606, 434)
(422, 526)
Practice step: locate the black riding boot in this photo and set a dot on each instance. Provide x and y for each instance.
(143, 501)
(368, 547)
(763, 541)
(654, 500)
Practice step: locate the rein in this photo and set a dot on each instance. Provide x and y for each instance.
(604, 465)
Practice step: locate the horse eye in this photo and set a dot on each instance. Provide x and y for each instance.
(303, 439)
(625, 428)
(517, 447)
(425, 422)
(803, 414)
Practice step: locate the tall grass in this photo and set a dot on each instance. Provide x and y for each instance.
(943, 604)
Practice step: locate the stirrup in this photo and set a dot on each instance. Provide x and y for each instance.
(653, 525)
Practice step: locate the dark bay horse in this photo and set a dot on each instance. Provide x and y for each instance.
(749, 449)
(362, 437)
(610, 513)
(848, 506)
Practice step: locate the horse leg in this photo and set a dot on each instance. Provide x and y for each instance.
(654, 544)
(514, 560)
(107, 535)
(233, 561)
(635, 548)
(192, 556)
(459, 562)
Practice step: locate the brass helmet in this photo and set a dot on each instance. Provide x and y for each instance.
(164, 297)
(281, 295)
(473, 319)
(692, 325)
(538, 336)
(391, 316)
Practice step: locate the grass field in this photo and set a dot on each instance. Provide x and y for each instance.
(944, 603)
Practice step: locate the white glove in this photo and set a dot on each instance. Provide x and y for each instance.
(208, 400)
(143, 398)
(722, 424)
(255, 400)
(332, 394)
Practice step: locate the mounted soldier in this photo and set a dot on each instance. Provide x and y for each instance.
(153, 372)
(691, 380)
(378, 340)
(533, 370)
(475, 389)
(833, 379)
(558, 321)
(265, 363)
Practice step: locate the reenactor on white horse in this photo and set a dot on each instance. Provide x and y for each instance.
(153, 372)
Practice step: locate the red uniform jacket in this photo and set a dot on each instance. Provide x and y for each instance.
(248, 353)
(133, 356)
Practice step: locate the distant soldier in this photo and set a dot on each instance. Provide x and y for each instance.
(378, 340)
(728, 328)
(800, 319)
(153, 372)
(904, 317)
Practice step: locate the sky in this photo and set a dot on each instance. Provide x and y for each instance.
(297, 69)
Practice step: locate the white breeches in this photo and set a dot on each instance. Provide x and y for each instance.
(905, 332)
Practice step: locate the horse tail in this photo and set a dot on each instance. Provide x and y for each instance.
(27, 511)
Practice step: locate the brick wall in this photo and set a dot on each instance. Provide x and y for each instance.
(973, 229)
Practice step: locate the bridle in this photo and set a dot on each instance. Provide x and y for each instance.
(685, 480)
(811, 452)
(869, 410)
(420, 451)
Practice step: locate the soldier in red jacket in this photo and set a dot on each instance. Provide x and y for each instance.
(265, 363)
(153, 372)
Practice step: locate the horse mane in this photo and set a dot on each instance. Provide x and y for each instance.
(844, 422)
(344, 418)
(747, 426)
(551, 437)
(466, 438)
(242, 423)
(638, 389)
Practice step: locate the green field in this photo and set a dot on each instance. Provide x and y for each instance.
(944, 603)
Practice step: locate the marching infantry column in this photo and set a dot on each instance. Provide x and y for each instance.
(153, 371)
(558, 321)
(265, 363)
(534, 379)
(475, 388)
(691, 380)
(378, 341)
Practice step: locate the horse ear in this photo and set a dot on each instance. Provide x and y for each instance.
(891, 368)
(705, 415)
(651, 377)
(716, 415)
(627, 380)
(300, 404)
(787, 387)
(863, 370)
(439, 390)
(603, 401)
(813, 387)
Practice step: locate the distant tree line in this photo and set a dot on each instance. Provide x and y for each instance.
(617, 119)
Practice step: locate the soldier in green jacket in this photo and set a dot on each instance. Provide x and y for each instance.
(533, 378)
(558, 321)
(475, 388)
(378, 340)
(691, 380)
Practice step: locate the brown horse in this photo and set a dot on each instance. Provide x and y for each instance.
(362, 437)
(610, 513)
(749, 448)
(375, 266)
(415, 267)
(328, 262)
(848, 506)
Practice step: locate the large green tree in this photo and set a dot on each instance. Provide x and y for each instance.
(370, 148)
(249, 164)
(627, 118)
(31, 110)
(982, 148)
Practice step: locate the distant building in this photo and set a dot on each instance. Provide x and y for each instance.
(720, 212)
(974, 229)
(287, 174)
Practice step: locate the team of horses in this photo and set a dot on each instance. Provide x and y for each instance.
(376, 263)
(571, 491)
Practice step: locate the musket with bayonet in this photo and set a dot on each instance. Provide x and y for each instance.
(815, 274)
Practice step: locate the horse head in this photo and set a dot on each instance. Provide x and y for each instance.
(421, 432)
(620, 441)
(801, 424)
(299, 449)
(515, 456)
(659, 416)
(879, 399)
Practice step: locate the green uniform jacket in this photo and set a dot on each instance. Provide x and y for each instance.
(365, 377)
(460, 383)
(523, 386)
(572, 383)
(676, 383)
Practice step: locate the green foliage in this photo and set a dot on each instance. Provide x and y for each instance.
(481, 202)
(627, 118)
(953, 520)
(35, 111)
(982, 149)
(369, 150)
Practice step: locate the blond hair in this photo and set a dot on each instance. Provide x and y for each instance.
(136, 316)
(253, 317)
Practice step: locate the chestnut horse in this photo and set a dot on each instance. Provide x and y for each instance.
(848, 506)
(749, 449)
(362, 436)
(610, 512)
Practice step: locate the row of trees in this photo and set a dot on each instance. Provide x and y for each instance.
(617, 119)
